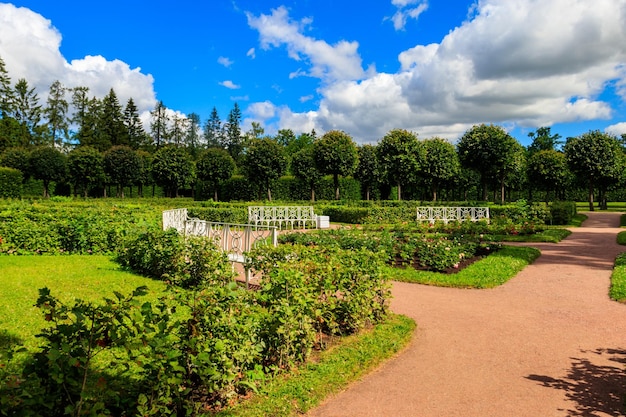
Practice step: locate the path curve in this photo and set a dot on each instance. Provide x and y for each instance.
(547, 343)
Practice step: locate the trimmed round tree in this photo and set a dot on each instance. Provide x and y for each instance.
(441, 165)
(547, 171)
(303, 167)
(335, 154)
(122, 166)
(401, 157)
(172, 169)
(214, 166)
(368, 170)
(263, 163)
(595, 158)
(86, 168)
(48, 164)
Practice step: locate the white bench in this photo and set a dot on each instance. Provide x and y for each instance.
(286, 216)
(451, 214)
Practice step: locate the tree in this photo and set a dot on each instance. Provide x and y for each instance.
(303, 167)
(48, 164)
(547, 171)
(89, 133)
(86, 169)
(111, 123)
(145, 171)
(263, 163)
(234, 143)
(441, 164)
(137, 137)
(158, 124)
(213, 132)
(17, 158)
(27, 111)
(7, 99)
(122, 166)
(368, 170)
(595, 158)
(192, 136)
(178, 129)
(401, 157)
(491, 152)
(543, 140)
(56, 112)
(172, 169)
(335, 154)
(214, 166)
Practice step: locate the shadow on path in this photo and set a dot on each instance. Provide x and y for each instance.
(592, 387)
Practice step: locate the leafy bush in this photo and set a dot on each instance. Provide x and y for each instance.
(10, 183)
(562, 212)
(188, 262)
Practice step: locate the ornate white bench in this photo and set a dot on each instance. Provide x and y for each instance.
(286, 216)
(450, 214)
(234, 239)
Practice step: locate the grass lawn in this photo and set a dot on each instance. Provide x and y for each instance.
(489, 272)
(89, 278)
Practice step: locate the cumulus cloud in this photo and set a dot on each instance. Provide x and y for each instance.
(617, 129)
(327, 62)
(29, 46)
(407, 9)
(230, 84)
(224, 61)
(251, 53)
(523, 63)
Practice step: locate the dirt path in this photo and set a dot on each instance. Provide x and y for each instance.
(547, 343)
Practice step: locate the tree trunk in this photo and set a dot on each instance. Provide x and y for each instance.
(502, 190)
(434, 193)
(269, 194)
(399, 192)
(312, 194)
(591, 208)
(215, 194)
(336, 182)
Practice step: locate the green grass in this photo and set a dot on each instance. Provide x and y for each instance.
(89, 278)
(489, 272)
(302, 390)
(551, 235)
(578, 219)
(618, 279)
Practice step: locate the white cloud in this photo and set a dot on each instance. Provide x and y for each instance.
(326, 62)
(404, 12)
(617, 129)
(224, 61)
(29, 46)
(251, 53)
(230, 84)
(523, 63)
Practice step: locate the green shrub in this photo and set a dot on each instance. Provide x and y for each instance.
(10, 183)
(562, 212)
(185, 261)
(350, 215)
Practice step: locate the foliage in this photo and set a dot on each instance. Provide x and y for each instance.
(441, 165)
(214, 166)
(489, 272)
(547, 170)
(303, 167)
(595, 158)
(368, 172)
(122, 166)
(86, 168)
(335, 154)
(48, 164)
(188, 262)
(618, 277)
(562, 212)
(401, 157)
(173, 169)
(17, 158)
(10, 183)
(263, 163)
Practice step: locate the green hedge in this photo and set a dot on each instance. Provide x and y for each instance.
(10, 183)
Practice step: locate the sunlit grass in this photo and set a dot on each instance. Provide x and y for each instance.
(89, 278)
(489, 272)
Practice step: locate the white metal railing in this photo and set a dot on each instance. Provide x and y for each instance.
(282, 216)
(234, 239)
(449, 214)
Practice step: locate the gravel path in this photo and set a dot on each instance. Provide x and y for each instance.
(547, 343)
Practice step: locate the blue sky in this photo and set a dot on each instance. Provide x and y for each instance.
(365, 67)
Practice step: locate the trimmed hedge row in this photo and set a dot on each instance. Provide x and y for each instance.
(10, 183)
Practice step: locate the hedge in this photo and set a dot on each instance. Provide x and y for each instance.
(10, 183)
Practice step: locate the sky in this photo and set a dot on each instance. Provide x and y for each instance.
(434, 67)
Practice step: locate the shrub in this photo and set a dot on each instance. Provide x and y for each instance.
(562, 212)
(189, 262)
(10, 183)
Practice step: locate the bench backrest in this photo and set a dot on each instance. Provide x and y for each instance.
(448, 214)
